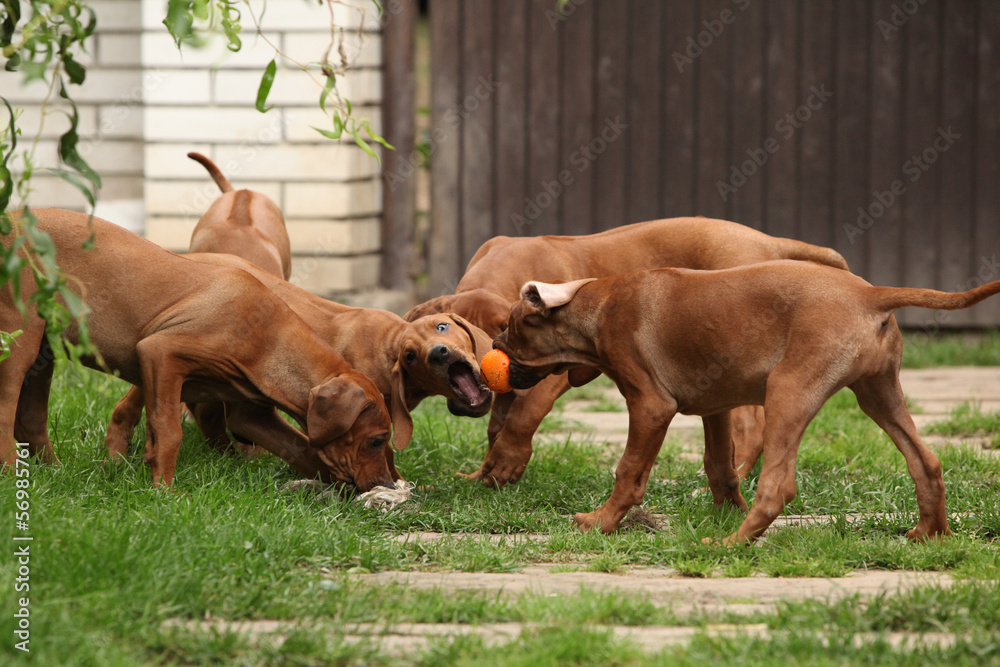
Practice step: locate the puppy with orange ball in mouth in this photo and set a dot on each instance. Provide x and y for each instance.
(495, 367)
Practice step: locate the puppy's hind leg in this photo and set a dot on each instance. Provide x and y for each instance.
(124, 418)
(32, 422)
(13, 370)
(881, 398)
(789, 407)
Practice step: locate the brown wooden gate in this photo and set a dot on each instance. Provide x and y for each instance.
(870, 127)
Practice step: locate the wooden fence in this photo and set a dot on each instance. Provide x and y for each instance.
(870, 127)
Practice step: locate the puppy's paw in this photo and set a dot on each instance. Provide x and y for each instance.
(585, 521)
(596, 519)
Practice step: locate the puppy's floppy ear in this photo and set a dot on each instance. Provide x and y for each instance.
(481, 341)
(582, 375)
(439, 304)
(546, 296)
(333, 409)
(402, 421)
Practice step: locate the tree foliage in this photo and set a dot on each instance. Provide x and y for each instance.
(43, 40)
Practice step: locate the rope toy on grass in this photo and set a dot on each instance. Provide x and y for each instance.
(383, 498)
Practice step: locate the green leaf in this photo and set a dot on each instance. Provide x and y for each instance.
(67, 145)
(8, 27)
(74, 70)
(76, 182)
(331, 81)
(74, 304)
(7, 184)
(231, 25)
(329, 134)
(200, 9)
(179, 20)
(265, 86)
(5, 340)
(377, 137)
(364, 146)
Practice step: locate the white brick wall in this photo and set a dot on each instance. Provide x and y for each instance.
(329, 191)
(145, 105)
(110, 122)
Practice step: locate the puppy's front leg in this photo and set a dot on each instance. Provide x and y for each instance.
(266, 428)
(719, 448)
(648, 419)
(163, 374)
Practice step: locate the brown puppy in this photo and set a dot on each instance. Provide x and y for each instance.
(493, 280)
(436, 355)
(785, 335)
(243, 223)
(186, 331)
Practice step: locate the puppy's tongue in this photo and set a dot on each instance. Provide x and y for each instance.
(469, 387)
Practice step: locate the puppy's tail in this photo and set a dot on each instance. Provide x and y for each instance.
(891, 298)
(213, 171)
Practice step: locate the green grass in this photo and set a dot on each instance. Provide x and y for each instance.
(922, 350)
(112, 559)
(968, 419)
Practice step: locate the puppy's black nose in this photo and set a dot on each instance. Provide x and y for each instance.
(439, 354)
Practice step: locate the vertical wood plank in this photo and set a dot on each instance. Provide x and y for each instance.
(478, 81)
(445, 264)
(713, 108)
(920, 203)
(575, 177)
(681, 79)
(644, 89)
(814, 123)
(881, 226)
(782, 82)
(747, 111)
(849, 109)
(955, 163)
(398, 110)
(986, 175)
(511, 122)
(611, 75)
(543, 120)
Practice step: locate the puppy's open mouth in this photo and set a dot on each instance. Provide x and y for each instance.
(468, 385)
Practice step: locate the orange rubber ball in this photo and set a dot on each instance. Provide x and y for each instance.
(495, 368)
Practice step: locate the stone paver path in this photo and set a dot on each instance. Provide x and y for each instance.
(935, 392)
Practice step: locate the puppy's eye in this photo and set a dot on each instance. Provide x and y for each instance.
(376, 443)
(442, 327)
(411, 356)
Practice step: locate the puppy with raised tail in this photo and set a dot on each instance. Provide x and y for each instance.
(785, 335)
